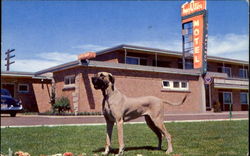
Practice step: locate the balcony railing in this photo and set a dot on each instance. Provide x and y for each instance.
(231, 83)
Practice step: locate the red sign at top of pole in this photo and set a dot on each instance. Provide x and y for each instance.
(192, 7)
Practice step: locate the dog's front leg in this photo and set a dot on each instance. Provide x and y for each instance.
(120, 136)
(109, 130)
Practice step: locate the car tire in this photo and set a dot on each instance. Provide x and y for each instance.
(13, 114)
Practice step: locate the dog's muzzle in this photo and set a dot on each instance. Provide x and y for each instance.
(95, 82)
(98, 83)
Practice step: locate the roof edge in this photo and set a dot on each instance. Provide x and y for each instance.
(164, 51)
(22, 74)
(122, 66)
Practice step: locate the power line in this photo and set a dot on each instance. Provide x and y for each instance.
(8, 57)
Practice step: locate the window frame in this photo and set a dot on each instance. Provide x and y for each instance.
(246, 96)
(189, 65)
(179, 88)
(230, 100)
(133, 57)
(245, 73)
(70, 80)
(166, 87)
(230, 69)
(23, 91)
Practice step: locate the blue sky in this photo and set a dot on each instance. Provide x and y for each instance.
(48, 33)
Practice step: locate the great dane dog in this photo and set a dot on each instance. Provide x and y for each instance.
(118, 108)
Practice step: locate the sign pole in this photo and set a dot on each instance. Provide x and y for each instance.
(210, 98)
(230, 111)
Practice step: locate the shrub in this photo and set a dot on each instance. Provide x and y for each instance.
(217, 106)
(62, 104)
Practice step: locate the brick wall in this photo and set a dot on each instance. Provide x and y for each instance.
(237, 106)
(37, 98)
(42, 93)
(116, 57)
(132, 84)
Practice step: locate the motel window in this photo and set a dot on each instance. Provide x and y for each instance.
(243, 98)
(227, 70)
(69, 80)
(227, 98)
(132, 60)
(183, 84)
(175, 85)
(189, 65)
(243, 73)
(136, 60)
(166, 84)
(23, 88)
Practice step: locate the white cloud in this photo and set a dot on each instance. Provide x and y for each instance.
(43, 61)
(57, 56)
(90, 47)
(232, 46)
(174, 45)
(30, 65)
(229, 43)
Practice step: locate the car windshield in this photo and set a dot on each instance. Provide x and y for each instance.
(5, 92)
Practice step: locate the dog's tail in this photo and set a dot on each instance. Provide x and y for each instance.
(176, 104)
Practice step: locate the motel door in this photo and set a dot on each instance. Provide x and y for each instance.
(224, 107)
(10, 88)
(221, 101)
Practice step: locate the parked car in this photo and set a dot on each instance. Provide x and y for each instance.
(10, 105)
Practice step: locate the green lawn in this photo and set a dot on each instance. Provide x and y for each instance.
(221, 138)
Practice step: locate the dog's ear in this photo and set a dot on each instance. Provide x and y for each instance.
(111, 78)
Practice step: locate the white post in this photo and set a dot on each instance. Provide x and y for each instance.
(125, 59)
(203, 94)
(156, 59)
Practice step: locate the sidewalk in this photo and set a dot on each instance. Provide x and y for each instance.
(40, 120)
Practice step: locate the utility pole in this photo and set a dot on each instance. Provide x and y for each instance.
(8, 57)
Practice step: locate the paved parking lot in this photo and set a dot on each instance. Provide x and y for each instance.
(41, 120)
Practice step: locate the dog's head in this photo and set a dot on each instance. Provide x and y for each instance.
(103, 80)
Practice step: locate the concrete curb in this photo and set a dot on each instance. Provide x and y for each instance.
(131, 123)
(166, 115)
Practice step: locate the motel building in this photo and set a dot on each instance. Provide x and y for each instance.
(138, 71)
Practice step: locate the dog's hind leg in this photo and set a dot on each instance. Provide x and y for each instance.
(152, 126)
(109, 130)
(160, 125)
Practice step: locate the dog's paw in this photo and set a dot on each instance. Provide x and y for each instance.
(169, 151)
(105, 153)
(121, 152)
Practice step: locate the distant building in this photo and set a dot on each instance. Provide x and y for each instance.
(141, 71)
(34, 91)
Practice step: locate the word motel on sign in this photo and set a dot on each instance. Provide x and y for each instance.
(196, 34)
